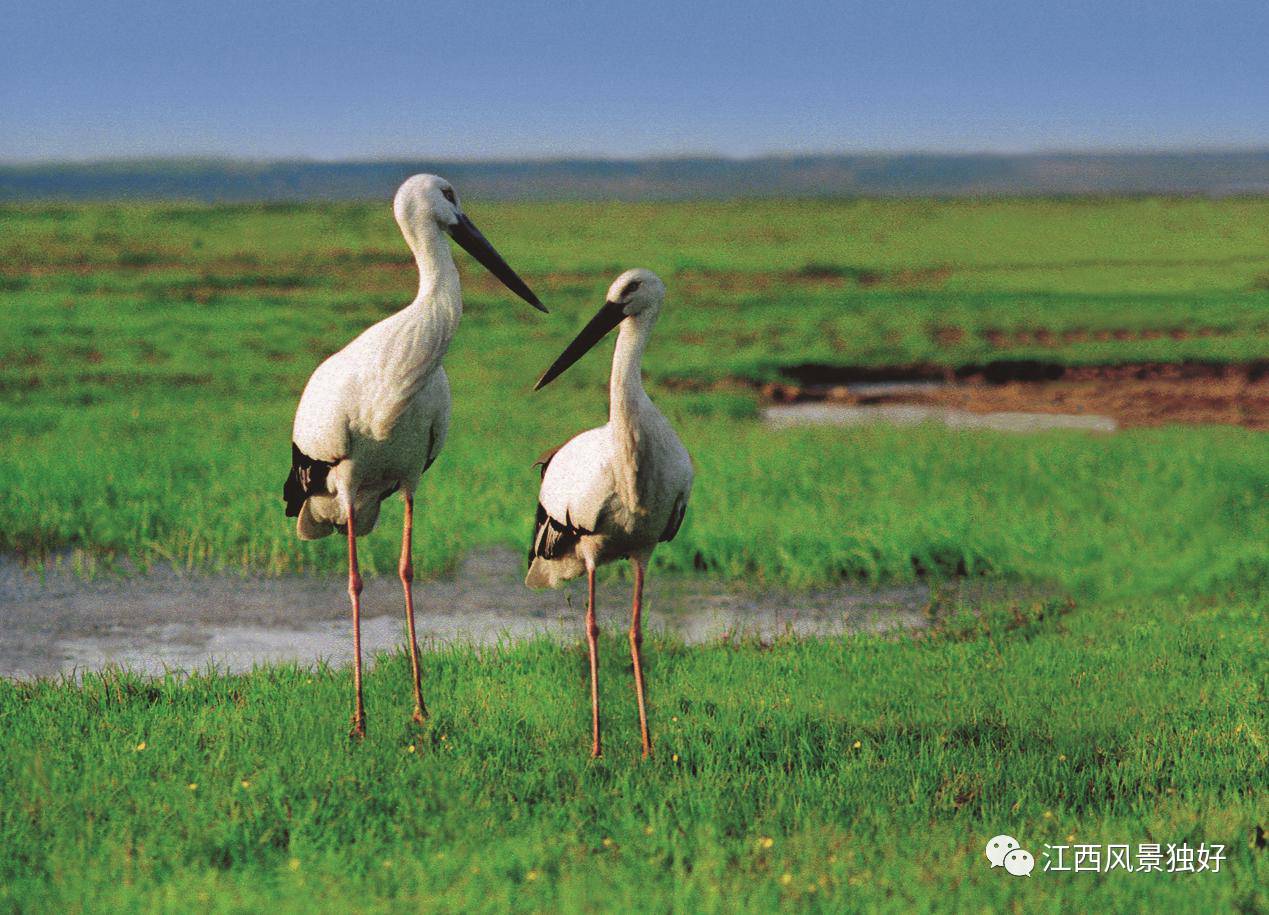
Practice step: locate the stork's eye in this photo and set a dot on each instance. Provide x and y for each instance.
(630, 289)
(448, 194)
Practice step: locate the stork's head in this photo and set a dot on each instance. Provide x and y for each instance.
(425, 199)
(427, 202)
(637, 294)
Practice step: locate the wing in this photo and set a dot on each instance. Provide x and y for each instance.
(326, 406)
(677, 514)
(544, 459)
(348, 385)
(552, 539)
(676, 474)
(308, 476)
(319, 437)
(576, 485)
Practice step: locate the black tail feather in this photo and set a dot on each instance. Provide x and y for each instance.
(308, 476)
(551, 539)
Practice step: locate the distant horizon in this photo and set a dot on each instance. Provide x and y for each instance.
(914, 152)
(211, 179)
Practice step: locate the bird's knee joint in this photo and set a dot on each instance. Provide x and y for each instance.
(354, 584)
(407, 572)
(636, 638)
(592, 630)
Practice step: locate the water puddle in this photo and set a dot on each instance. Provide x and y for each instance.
(835, 414)
(172, 621)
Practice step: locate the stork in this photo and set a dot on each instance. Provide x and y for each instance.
(617, 491)
(373, 416)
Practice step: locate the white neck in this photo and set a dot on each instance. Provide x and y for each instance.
(625, 388)
(427, 325)
(628, 405)
(438, 307)
(435, 260)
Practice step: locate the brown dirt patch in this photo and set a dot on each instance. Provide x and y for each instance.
(947, 335)
(1134, 394)
(1132, 402)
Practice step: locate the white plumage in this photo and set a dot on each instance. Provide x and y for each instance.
(625, 485)
(617, 491)
(379, 410)
(374, 415)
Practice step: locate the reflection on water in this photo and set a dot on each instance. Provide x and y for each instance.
(166, 620)
(831, 414)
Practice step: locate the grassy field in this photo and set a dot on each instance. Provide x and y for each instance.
(855, 773)
(150, 360)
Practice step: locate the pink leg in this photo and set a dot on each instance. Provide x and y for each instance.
(407, 577)
(354, 591)
(636, 643)
(592, 640)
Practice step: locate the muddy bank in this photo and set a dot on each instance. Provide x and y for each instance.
(168, 620)
(1126, 395)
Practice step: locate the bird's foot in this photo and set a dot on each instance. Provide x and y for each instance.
(358, 732)
(420, 714)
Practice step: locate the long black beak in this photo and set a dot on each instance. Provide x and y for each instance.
(466, 234)
(605, 320)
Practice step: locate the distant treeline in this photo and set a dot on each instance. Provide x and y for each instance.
(1211, 173)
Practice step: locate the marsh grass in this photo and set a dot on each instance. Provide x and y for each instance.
(870, 771)
(150, 359)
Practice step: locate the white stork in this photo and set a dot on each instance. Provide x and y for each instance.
(373, 417)
(617, 491)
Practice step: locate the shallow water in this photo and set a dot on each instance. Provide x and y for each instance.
(167, 620)
(832, 414)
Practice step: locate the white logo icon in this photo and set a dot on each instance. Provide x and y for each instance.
(1020, 862)
(998, 847)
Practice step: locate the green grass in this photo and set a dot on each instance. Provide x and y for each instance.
(877, 768)
(150, 360)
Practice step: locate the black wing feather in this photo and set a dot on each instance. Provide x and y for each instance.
(431, 455)
(308, 476)
(551, 539)
(677, 513)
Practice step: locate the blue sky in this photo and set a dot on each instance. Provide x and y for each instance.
(480, 80)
